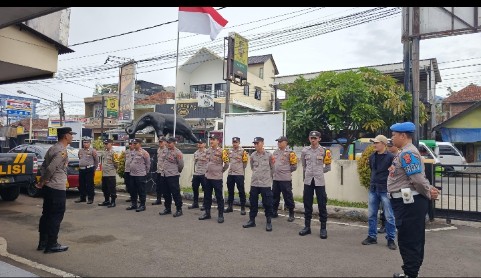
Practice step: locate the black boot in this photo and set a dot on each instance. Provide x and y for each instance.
(133, 206)
(157, 202)
(166, 211)
(202, 208)
(112, 203)
(220, 218)
(291, 215)
(42, 242)
(90, 201)
(206, 215)
(141, 208)
(81, 200)
(274, 212)
(323, 233)
(229, 207)
(268, 224)
(178, 213)
(57, 247)
(250, 223)
(105, 203)
(193, 206)
(129, 200)
(243, 210)
(307, 228)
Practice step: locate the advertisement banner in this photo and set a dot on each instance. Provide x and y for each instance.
(112, 107)
(241, 46)
(205, 100)
(18, 107)
(126, 95)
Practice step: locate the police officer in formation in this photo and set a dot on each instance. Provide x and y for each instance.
(160, 181)
(53, 183)
(128, 158)
(410, 194)
(109, 172)
(139, 168)
(172, 167)
(237, 164)
(217, 163)
(88, 162)
(200, 167)
(262, 166)
(316, 161)
(285, 162)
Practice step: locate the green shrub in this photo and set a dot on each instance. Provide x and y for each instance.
(98, 144)
(363, 167)
(121, 161)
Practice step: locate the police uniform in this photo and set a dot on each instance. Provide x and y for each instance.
(128, 158)
(285, 162)
(407, 172)
(172, 167)
(262, 166)
(315, 162)
(139, 168)
(54, 180)
(88, 162)
(198, 178)
(237, 164)
(109, 172)
(160, 181)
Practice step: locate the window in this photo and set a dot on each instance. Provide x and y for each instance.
(201, 88)
(246, 90)
(257, 94)
(219, 89)
(447, 150)
(425, 153)
(261, 73)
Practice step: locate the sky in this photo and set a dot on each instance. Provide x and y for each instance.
(373, 43)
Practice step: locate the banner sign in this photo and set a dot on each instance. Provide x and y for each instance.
(112, 107)
(127, 89)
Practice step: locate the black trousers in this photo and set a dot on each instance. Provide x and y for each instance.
(198, 180)
(52, 213)
(127, 181)
(308, 198)
(410, 224)
(232, 180)
(137, 188)
(109, 188)
(172, 192)
(215, 185)
(86, 183)
(160, 186)
(266, 194)
(286, 188)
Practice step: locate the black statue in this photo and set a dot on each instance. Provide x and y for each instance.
(163, 124)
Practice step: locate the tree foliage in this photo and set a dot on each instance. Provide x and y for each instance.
(363, 168)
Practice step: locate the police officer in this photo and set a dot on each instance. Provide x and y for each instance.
(53, 183)
(109, 171)
(237, 164)
(316, 161)
(88, 162)
(285, 162)
(410, 193)
(262, 166)
(217, 163)
(139, 168)
(173, 165)
(160, 181)
(128, 158)
(200, 167)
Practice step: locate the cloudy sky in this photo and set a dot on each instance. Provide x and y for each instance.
(338, 42)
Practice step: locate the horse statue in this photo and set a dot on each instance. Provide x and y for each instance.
(163, 124)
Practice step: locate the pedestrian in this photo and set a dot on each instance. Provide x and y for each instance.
(139, 168)
(379, 163)
(237, 163)
(109, 173)
(173, 166)
(285, 162)
(410, 193)
(128, 158)
(200, 167)
(160, 181)
(88, 162)
(53, 182)
(217, 163)
(262, 166)
(316, 161)
(382, 217)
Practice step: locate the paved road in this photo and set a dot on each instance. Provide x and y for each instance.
(116, 242)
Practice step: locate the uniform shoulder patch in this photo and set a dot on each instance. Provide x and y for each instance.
(64, 153)
(410, 163)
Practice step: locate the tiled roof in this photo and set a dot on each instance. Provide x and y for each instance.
(36, 124)
(252, 60)
(158, 98)
(471, 93)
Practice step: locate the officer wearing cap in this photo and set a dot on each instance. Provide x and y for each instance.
(139, 167)
(237, 164)
(53, 184)
(285, 162)
(200, 167)
(109, 171)
(128, 158)
(88, 162)
(172, 167)
(316, 161)
(217, 163)
(262, 166)
(410, 193)
(160, 181)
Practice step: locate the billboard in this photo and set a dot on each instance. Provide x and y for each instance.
(126, 95)
(112, 107)
(18, 107)
(191, 110)
(241, 46)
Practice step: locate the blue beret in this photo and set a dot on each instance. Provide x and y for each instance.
(407, 127)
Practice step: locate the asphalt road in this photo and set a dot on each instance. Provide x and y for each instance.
(116, 242)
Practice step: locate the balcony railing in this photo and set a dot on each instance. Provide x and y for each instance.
(193, 95)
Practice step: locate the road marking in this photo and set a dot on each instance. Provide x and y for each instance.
(442, 229)
(54, 271)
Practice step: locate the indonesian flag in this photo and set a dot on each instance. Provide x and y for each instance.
(201, 20)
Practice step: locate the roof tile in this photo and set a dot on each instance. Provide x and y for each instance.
(471, 93)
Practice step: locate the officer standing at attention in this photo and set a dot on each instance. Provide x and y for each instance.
(160, 181)
(237, 164)
(53, 183)
(128, 153)
(262, 166)
(410, 193)
(109, 171)
(173, 166)
(200, 166)
(285, 162)
(316, 161)
(217, 163)
(88, 162)
(139, 168)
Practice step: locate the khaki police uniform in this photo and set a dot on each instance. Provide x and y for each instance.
(198, 179)
(237, 163)
(109, 172)
(285, 162)
(262, 166)
(128, 158)
(88, 162)
(172, 167)
(160, 185)
(139, 168)
(217, 163)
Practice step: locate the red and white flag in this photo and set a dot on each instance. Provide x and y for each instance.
(201, 20)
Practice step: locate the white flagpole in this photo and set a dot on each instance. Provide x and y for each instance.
(176, 85)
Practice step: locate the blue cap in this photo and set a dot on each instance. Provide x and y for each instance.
(407, 127)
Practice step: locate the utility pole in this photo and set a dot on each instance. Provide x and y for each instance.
(61, 111)
(415, 73)
(102, 119)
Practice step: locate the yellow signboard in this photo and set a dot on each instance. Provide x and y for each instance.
(112, 107)
(52, 132)
(241, 46)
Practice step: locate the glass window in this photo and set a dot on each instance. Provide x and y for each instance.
(219, 89)
(257, 93)
(447, 150)
(261, 73)
(19, 149)
(425, 153)
(246, 90)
